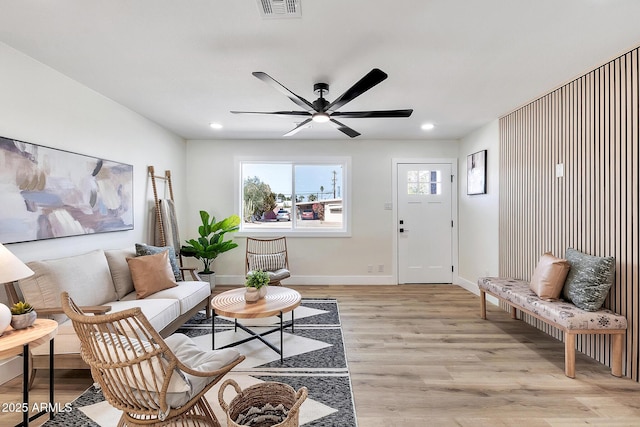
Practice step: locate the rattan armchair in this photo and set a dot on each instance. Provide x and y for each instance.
(153, 381)
(269, 255)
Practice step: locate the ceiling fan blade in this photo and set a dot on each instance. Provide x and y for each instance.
(345, 129)
(297, 128)
(373, 114)
(280, 88)
(277, 113)
(371, 79)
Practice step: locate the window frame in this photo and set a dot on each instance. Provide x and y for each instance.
(345, 191)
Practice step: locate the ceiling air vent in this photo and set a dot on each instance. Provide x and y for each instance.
(279, 8)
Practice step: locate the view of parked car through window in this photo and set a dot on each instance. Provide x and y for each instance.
(293, 196)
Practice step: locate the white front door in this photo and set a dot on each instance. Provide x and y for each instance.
(425, 223)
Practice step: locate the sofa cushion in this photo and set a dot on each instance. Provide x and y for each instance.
(85, 277)
(589, 279)
(159, 312)
(119, 267)
(548, 278)
(143, 250)
(189, 294)
(151, 273)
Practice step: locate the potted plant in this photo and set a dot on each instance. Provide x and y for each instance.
(22, 315)
(256, 285)
(211, 242)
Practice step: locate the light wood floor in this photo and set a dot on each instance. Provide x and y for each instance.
(420, 355)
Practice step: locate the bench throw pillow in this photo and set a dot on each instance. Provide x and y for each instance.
(589, 279)
(548, 277)
(151, 274)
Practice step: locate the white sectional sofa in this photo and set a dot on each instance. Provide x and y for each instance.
(102, 278)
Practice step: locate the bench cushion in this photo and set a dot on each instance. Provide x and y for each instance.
(563, 314)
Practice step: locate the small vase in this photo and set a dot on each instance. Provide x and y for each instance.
(262, 291)
(251, 295)
(21, 321)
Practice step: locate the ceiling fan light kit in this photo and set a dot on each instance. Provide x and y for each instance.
(323, 111)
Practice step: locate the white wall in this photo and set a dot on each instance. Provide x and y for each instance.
(313, 260)
(41, 106)
(478, 215)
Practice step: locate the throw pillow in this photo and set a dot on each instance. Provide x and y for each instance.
(589, 279)
(151, 274)
(142, 249)
(267, 262)
(548, 277)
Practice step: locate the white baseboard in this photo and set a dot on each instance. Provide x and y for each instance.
(10, 368)
(316, 280)
(473, 288)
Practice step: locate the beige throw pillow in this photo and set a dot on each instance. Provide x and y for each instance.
(151, 274)
(548, 278)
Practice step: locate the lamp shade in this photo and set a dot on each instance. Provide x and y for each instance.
(11, 268)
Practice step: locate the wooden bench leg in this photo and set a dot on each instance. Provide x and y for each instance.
(483, 304)
(570, 354)
(514, 312)
(616, 355)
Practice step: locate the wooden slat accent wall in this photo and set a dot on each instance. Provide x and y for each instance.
(591, 126)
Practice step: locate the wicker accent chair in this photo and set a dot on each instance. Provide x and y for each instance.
(269, 255)
(155, 382)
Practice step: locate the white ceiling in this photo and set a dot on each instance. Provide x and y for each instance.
(457, 63)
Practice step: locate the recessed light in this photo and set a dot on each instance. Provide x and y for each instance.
(428, 126)
(215, 125)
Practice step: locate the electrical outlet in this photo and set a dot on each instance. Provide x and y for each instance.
(369, 268)
(380, 268)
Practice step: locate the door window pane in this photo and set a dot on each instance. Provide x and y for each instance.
(424, 182)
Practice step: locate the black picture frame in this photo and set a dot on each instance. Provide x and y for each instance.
(477, 173)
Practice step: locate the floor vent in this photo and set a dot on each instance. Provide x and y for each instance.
(279, 8)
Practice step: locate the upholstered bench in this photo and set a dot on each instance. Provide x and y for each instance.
(563, 315)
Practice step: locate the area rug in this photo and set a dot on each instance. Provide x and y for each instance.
(314, 357)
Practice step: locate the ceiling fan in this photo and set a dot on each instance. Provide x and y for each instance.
(322, 111)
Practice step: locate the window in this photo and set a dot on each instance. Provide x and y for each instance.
(423, 182)
(293, 197)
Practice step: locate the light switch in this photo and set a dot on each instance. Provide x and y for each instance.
(559, 170)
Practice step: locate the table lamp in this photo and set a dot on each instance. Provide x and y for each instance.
(11, 269)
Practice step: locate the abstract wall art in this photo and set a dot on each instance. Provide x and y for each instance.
(47, 193)
(477, 173)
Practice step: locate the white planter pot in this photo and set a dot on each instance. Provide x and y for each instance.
(251, 295)
(262, 291)
(211, 278)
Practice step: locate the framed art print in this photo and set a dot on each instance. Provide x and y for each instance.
(46, 193)
(477, 173)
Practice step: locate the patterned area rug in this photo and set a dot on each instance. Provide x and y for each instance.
(314, 357)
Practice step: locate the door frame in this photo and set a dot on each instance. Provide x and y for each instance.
(454, 210)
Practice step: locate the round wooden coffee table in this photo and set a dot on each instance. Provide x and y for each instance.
(279, 300)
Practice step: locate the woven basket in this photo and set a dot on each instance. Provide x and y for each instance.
(259, 395)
